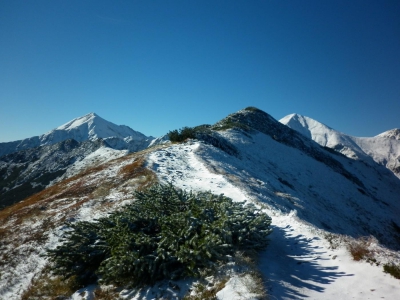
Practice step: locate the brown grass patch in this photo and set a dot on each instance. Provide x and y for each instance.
(58, 190)
(102, 190)
(134, 169)
(46, 286)
(78, 189)
(33, 205)
(76, 186)
(252, 277)
(102, 293)
(359, 248)
(138, 170)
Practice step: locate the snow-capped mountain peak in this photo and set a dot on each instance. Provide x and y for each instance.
(90, 127)
(319, 132)
(78, 121)
(391, 134)
(383, 148)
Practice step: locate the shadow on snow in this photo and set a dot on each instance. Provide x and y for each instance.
(290, 266)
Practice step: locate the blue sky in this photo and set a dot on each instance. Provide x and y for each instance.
(161, 65)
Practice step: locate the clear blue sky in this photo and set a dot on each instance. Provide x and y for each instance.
(161, 65)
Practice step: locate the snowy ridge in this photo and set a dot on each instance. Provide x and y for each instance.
(302, 196)
(383, 148)
(391, 134)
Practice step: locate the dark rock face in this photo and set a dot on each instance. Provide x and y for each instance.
(27, 172)
(15, 146)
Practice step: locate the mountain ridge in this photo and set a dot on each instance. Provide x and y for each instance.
(87, 127)
(383, 148)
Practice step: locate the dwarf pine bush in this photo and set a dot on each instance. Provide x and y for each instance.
(166, 233)
(182, 134)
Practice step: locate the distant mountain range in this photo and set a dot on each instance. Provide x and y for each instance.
(383, 148)
(87, 128)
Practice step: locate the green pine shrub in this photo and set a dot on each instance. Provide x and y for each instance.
(166, 233)
(182, 134)
(203, 133)
(392, 269)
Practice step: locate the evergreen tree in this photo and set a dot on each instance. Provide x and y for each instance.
(165, 233)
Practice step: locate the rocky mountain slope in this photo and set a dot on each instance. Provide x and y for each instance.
(320, 202)
(383, 148)
(29, 165)
(29, 171)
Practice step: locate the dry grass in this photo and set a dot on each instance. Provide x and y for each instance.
(257, 285)
(138, 170)
(73, 186)
(78, 186)
(47, 286)
(359, 248)
(249, 274)
(252, 277)
(16, 248)
(103, 190)
(103, 293)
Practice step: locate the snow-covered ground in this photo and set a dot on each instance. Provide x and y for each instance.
(98, 157)
(298, 263)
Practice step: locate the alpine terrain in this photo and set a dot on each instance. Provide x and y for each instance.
(333, 213)
(383, 148)
(28, 166)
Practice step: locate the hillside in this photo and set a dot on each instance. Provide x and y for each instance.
(320, 202)
(28, 166)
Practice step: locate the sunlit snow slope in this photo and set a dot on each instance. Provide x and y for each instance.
(383, 148)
